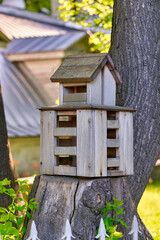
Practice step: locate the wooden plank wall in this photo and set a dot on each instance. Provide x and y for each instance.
(48, 120)
(126, 142)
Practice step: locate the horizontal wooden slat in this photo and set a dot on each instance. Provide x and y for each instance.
(65, 131)
(63, 170)
(115, 173)
(113, 143)
(112, 124)
(66, 113)
(65, 151)
(73, 84)
(113, 162)
(75, 97)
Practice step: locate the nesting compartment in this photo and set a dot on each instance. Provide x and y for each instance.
(86, 142)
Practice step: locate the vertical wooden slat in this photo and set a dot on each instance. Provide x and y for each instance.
(96, 90)
(61, 92)
(100, 143)
(109, 88)
(47, 142)
(85, 146)
(126, 142)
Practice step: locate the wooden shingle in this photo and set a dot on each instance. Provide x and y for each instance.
(84, 68)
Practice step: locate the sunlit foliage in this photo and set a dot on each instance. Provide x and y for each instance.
(97, 15)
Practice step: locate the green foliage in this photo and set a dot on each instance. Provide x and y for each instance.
(94, 14)
(116, 210)
(36, 5)
(12, 219)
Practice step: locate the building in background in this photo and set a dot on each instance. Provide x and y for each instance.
(32, 46)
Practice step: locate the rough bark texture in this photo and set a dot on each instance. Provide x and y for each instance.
(6, 167)
(135, 50)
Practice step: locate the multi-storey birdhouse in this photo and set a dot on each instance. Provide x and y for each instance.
(87, 135)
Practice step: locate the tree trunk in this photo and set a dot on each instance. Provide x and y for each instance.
(135, 51)
(6, 167)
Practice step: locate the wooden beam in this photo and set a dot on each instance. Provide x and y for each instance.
(115, 173)
(64, 170)
(75, 97)
(113, 143)
(112, 124)
(65, 151)
(65, 131)
(35, 56)
(113, 162)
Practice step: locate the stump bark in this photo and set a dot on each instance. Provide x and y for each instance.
(80, 201)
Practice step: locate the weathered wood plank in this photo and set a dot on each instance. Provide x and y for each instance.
(115, 173)
(109, 88)
(100, 143)
(96, 90)
(75, 97)
(47, 142)
(85, 138)
(66, 113)
(113, 162)
(65, 151)
(63, 170)
(87, 106)
(113, 143)
(73, 84)
(112, 124)
(59, 132)
(126, 142)
(60, 93)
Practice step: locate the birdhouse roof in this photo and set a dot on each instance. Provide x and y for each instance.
(84, 68)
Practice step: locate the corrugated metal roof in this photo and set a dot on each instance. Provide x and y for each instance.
(20, 102)
(14, 27)
(44, 44)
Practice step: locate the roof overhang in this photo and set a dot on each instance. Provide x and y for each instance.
(18, 57)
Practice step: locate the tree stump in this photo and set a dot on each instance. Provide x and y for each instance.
(80, 201)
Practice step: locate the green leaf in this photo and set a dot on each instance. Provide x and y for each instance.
(3, 210)
(119, 211)
(4, 217)
(5, 182)
(122, 222)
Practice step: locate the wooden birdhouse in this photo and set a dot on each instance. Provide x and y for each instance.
(84, 136)
(87, 79)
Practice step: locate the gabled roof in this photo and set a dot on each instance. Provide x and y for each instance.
(15, 27)
(43, 44)
(20, 101)
(84, 68)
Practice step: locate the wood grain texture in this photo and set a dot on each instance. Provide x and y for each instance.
(126, 142)
(113, 162)
(112, 124)
(113, 143)
(47, 142)
(100, 143)
(63, 171)
(85, 138)
(109, 88)
(75, 97)
(65, 151)
(65, 132)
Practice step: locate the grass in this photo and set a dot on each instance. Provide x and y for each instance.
(149, 209)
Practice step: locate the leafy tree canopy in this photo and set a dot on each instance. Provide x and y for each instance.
(94, 14)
